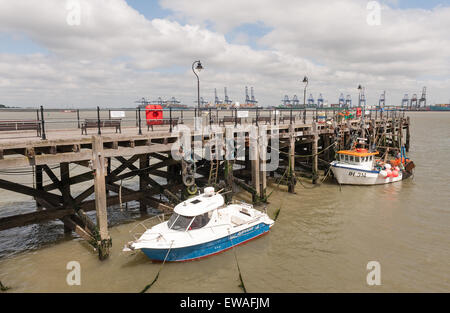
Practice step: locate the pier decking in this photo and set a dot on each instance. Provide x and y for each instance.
(305, 145)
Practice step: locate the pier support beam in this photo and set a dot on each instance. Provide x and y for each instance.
(407, 136)
(262, 173)
(291, 170)
(144, 163)
(39, 183)
(255, 162)
(98, 162)
(315, 161)
(64, 169)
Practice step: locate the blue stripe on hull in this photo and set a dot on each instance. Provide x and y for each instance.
(208, 248)
(355, 169)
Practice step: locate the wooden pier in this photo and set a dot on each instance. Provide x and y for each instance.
(306, 146)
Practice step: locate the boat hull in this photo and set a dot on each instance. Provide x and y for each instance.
(353, 176)
(190, 253)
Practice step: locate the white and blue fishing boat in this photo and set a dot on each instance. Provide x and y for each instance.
(359, 167)
(202, 226)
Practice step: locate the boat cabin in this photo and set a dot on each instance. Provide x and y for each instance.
(196, 213)
(359, 157)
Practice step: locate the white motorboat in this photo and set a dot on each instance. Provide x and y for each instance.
(202, 226)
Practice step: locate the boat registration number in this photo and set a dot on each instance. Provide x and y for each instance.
(357, 174)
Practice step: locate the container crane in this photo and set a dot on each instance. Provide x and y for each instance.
(423, 98)
(286, 101)
(341, 100)
(311, 101)
(227, 99)
(405, 101)
(382, 101)
(320, 101)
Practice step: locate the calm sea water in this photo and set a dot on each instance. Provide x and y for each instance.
(322, 241)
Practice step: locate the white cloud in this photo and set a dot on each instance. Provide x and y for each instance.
(116, 55)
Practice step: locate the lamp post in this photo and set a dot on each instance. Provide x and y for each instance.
(199, 67)
(305, 81)
(360, 88)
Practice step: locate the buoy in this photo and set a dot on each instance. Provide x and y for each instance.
(389, 173)
(394, 173)
(383, 174)
(397, 168)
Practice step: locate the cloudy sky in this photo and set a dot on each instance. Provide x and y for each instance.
(83, 53)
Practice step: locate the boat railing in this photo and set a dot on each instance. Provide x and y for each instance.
(142, 224)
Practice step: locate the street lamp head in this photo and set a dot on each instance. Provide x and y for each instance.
(199, 66)
(305, 80)
(359, 87)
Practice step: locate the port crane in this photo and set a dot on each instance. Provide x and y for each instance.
(295, 101)
(142, 102)
(423, 98)
(286, 101)
(382, 101)
(341, 100)
(320, 101)
(413, 102)
(217, 101)
(311, 101)
(348, 101)
(405, 101)
(227, 99)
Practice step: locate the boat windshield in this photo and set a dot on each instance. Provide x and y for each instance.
(179, 222)
(200, 221)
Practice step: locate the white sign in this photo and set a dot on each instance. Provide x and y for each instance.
(242, 114)
(117, 113)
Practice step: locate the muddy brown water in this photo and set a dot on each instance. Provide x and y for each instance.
(322, 241)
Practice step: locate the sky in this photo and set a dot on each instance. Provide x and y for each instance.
(110, 53)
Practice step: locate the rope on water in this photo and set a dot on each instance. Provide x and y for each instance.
(242, 285)
(157, 274)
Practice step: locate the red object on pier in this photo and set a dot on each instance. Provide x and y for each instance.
(154, 114)
(358, 112)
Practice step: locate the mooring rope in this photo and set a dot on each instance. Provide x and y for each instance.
(120, 195)
(3, 287)
(242, 286)
(304, 155)
(157, 274)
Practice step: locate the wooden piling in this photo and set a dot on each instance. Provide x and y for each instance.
(39, 183)
(144, 163)
(407, 135)
(291, 164)
(98, 162)
(262, 173)
(315, 160)
(254, 164)
(65, 190)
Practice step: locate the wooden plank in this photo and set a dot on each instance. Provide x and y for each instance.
(73, 180)
(33, 218)
(52, 176)
(29, 191)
